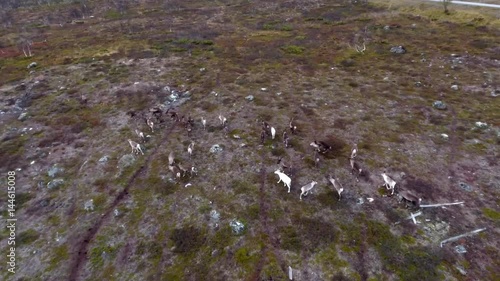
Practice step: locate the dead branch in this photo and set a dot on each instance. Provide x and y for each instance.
(412, 217)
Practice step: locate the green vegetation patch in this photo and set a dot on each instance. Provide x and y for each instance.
(27, 237)
(491, 214)
(293, 49)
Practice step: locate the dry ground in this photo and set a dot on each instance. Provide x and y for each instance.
(298, 62)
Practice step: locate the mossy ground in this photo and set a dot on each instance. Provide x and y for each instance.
(298, 62)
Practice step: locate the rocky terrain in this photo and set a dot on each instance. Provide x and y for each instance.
(414, 88)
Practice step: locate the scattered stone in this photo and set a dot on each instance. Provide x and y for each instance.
(23, 116)
(249, 97)
(89, 205)
(236, 137)
(116, 212)
(386, 78)
(460, 249)
(360, 201)
(214, 215)
(216, 148)
(455, 55)
(418, 84)
(439, 105)
(55, 183)
(237, 226)
(104, 159)
(263, 89)
(413, 25)
(444, 136)
(387, 27)
(202, 69)
(461, 270)
(481, 125)
(126, 160)
(454, 87)
(31, 65)
(465, 186)
(54, 170)
(398, 50)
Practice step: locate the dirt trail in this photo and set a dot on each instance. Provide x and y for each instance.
(272, 241)
(81, 256)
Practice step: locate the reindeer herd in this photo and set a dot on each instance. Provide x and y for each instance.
(179, 171)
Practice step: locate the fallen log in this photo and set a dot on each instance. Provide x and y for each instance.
(442, 204)
(454, 238)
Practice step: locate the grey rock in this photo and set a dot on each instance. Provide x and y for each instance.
(387, 27)
(116, 212)
(465, 186)
(360, 201)
(460, 249)
(398, 50)
(418, 84)
(445, 136)
(89, 205)
(216, 148)
(249, 97)
(214, 215)
(126, 160)
(55, 183)
(481, 125)
(237, 226)
(31, 65)
(104, 159)
(454, 87)
(23, 116)
(54, 170)
(439, 105)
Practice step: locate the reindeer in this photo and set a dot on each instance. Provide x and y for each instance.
(408, 197)
(306, 188)
(141, 135)
(355, 168)
(136, 148)
(262, 137)
(338, 187)
(204, 123)
(190, 148)
(223, 120)
(320, 146)
(287, 181)
(150, 124)
(389, 183)
(293, 128)
(354, 151)
(193, 171)
(285, 139)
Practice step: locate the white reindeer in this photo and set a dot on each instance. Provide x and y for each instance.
(354, 151)
(141, 135)
(389, 183)
(338, 187)
(171, 158)
(223, 120)
(150, 124)
(273, 132)
(136, 148)
(190, 148)
(204, 123)
(287, 181)
(306, 188)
